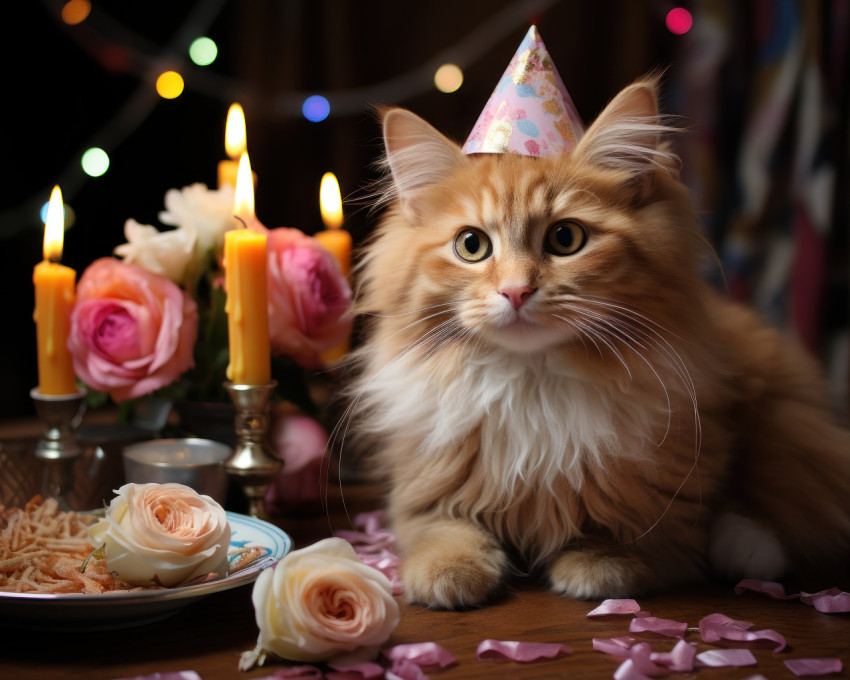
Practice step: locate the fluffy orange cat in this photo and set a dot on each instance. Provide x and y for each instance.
(549, 384)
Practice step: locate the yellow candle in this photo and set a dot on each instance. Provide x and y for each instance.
(54, 299)
(337, 240)
(334, 238)
(245, 265)
(235, 143)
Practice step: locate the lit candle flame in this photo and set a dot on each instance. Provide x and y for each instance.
(330, 201)
(54, 226)
(234, 132)
(243, 204)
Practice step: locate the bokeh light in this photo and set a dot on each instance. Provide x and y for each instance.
(203, 51)
(95, 162)
(679, 21)
(316, 108)
(169, 85)
(75, 11)
(69, 216)
(448, 78)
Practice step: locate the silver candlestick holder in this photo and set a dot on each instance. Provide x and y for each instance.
(58, 447)
(254, 464)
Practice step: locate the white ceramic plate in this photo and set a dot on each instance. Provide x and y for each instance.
(122, 609)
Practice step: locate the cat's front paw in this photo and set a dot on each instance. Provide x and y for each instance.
(453, 571)
(593, 574)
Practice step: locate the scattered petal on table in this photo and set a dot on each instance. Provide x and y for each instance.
(818, 666)
(680, 659)
(609, 607)
(716, 627)
(499, 650)
(726, 658)
(616, 646)
(363, 670)
(775, 590)
(627, 671)
(652, 624)
(402, 669)
(297, 673)
(831, 601)
(168, 675)
(641, 656)
(422, 654)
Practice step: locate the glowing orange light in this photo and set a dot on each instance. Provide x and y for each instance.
(244, 195)
(234, 131)
(54, 227)
(330, 201)
(75, 11)
(169, 85)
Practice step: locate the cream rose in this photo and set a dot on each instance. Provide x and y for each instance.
(162, 534)
(321, 602)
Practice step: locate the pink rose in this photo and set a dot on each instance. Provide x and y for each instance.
(132, 331)
(300, 442)
(308, 297)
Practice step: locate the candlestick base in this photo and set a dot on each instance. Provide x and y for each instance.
(254, 464)
(58, 446)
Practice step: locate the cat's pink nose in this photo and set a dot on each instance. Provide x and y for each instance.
(516, 295)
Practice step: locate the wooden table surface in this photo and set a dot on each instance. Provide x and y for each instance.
(209, 635)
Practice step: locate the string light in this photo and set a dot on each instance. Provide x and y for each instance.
(679, 21)
(316, 108)
(75, 11)
(169, 85)
(448, 78)
(95, 162)
(203, 51)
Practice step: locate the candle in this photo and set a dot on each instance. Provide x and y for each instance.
(245, 265)
(336, 239)
(54, 299)
(235, 144)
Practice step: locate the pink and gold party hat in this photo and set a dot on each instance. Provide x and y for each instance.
(529, 112)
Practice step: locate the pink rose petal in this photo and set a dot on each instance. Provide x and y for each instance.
(818, 666)
(168, 675)
(775, 590)
(297, 673)
(641, 656)
(523, 652)
(831, 601)
(627, 671)
(363, 670)
(616, 646)
(716, 627)
(680, 659)
(402, 669)
(609, 607)
(652, 624)
(726, 658)
(422, 654)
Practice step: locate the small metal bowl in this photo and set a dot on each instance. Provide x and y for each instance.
(197, 463)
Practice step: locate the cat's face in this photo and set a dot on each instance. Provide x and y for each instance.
(526, 253)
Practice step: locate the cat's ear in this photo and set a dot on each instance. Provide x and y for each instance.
(418, 156)
(627, 136)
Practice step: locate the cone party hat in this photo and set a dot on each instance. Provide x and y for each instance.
(530, 111)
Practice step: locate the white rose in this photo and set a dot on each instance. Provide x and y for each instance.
(162, 534)
(162, 252)
(321, 602)
(206, 213)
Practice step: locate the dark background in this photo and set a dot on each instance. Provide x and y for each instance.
(776, 208)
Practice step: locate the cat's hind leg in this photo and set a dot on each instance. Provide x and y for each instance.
(449, 563)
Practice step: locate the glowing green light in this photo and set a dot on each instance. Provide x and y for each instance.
(203, 51)
(95, 162)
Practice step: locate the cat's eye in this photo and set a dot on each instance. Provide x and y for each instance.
(566, 238)
(472, 245)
